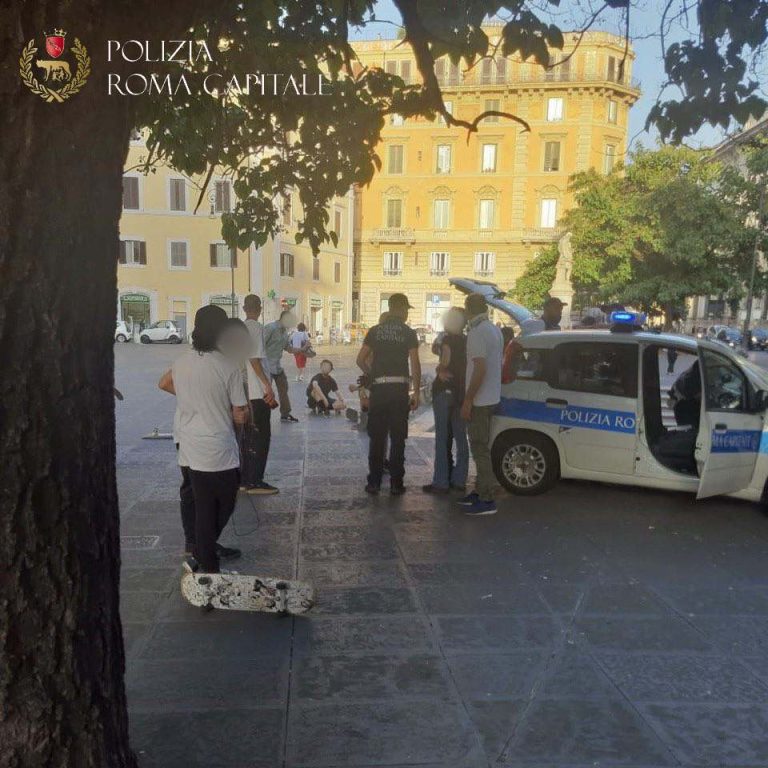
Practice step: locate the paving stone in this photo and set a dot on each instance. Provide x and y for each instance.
(574, 675)
(640, 634)
(348, 601)
(366, 573)
(495, 722)
(155, 580)
(496, 633)
(181, 684)
(657, 677)
(622, 598)
(369, 677)
(245, 738)
(345, 543)
(134, 635)
(601, 732)
(496, 572)
(727, 734)
(722, 601)
(480, 598)
(383, 634)
(137, 607)
(740, 635)
(491, 676)
(403, 731)
(238, 636)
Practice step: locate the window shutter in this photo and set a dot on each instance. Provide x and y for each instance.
(213, 255)
(391, 67)
(142, 252)
(405, 71)
(121, 255)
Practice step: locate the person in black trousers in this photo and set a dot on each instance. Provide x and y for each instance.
(384, 358)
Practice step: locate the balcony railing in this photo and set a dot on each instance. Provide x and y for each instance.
(394, 234)
(471, 79)
(542, 233)
(438, 271)
(392, 271)
(483, 273)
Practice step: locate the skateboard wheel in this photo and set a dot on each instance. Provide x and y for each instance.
(204, 580)
(281, 585)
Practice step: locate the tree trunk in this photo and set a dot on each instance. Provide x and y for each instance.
(62, 699)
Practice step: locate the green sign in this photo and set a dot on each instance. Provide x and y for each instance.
(289, 302)
(316, 303)
(337, 304)
(136, 297)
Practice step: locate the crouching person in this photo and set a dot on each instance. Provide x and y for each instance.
(320, 389)
(210, 400)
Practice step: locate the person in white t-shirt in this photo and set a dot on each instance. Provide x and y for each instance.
(300, 342)
(258, 433)
(485, 349)
(210, 400)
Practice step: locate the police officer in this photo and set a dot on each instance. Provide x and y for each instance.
(387, 350)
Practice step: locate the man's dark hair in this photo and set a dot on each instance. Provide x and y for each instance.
(475, 304)
(209, 321)
(252, 302)
(301, 327)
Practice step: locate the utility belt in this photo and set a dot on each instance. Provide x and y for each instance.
(392, 380)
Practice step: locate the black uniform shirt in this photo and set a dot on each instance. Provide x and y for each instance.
(391, 343)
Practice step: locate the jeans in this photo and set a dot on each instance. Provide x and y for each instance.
(479, 441)
(215, 496)
(281, 382)
(187, 506)
(255, 444)
(448, 420)
(388, 417)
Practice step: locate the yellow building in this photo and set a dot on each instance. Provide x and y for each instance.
(443, 206)
(173, 261)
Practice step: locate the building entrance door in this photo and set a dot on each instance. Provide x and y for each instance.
(135, 306)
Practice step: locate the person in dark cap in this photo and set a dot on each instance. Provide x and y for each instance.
(553, 313)
(388, 349)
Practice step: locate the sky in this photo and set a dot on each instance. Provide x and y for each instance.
(648, 67)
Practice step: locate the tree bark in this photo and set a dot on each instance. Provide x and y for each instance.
(62, 699)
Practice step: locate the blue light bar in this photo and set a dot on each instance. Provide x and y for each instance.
(623, 317)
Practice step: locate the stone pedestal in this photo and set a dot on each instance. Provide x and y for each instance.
(562, 288)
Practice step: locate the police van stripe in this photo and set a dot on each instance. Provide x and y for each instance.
(569, 415)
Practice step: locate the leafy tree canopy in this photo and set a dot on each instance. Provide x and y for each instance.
(534, 284)
(670, 226)
(322, 145)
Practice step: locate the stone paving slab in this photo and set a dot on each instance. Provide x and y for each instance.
(593, 626)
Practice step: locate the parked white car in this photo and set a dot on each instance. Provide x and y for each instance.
(123, 331)
(164, 331)
(600, 405)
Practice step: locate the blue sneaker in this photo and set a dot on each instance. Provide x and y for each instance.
(469, 500)
(481, 507)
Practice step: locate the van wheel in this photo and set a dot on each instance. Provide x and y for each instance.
(526, 463)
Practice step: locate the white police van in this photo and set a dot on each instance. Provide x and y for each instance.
(604, 405)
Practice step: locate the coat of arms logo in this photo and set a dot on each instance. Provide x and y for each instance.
(59, 79)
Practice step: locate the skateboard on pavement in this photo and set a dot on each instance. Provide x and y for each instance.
(239, 592)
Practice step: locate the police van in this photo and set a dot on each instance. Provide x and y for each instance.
(626, 406)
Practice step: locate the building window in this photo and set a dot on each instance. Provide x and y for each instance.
(613, 111)
(448, 109)
(501, 71)
(485, 263)
(223, 256)
(315, 268)
(286, 265)
(610, 158)
(178, 193)
(337, 272)
(439, 263)
(554, 109)
(443, 158)
(396, 120)
(492, 105)
(394, 213)
(551, 156)
(613, 68)
(223, 202)
(487, 214)
(548, 212)
(489, 158)
(130, 193)
(133, 253)
(179, 255)
(391, 68)
(395, 163)
(337, 223)
(393, 262)
(442, 214)
(486, 73)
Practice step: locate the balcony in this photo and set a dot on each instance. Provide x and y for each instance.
(438, 272)
(393, 235)
(392, 271)
(554, 76)
(483, 273)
